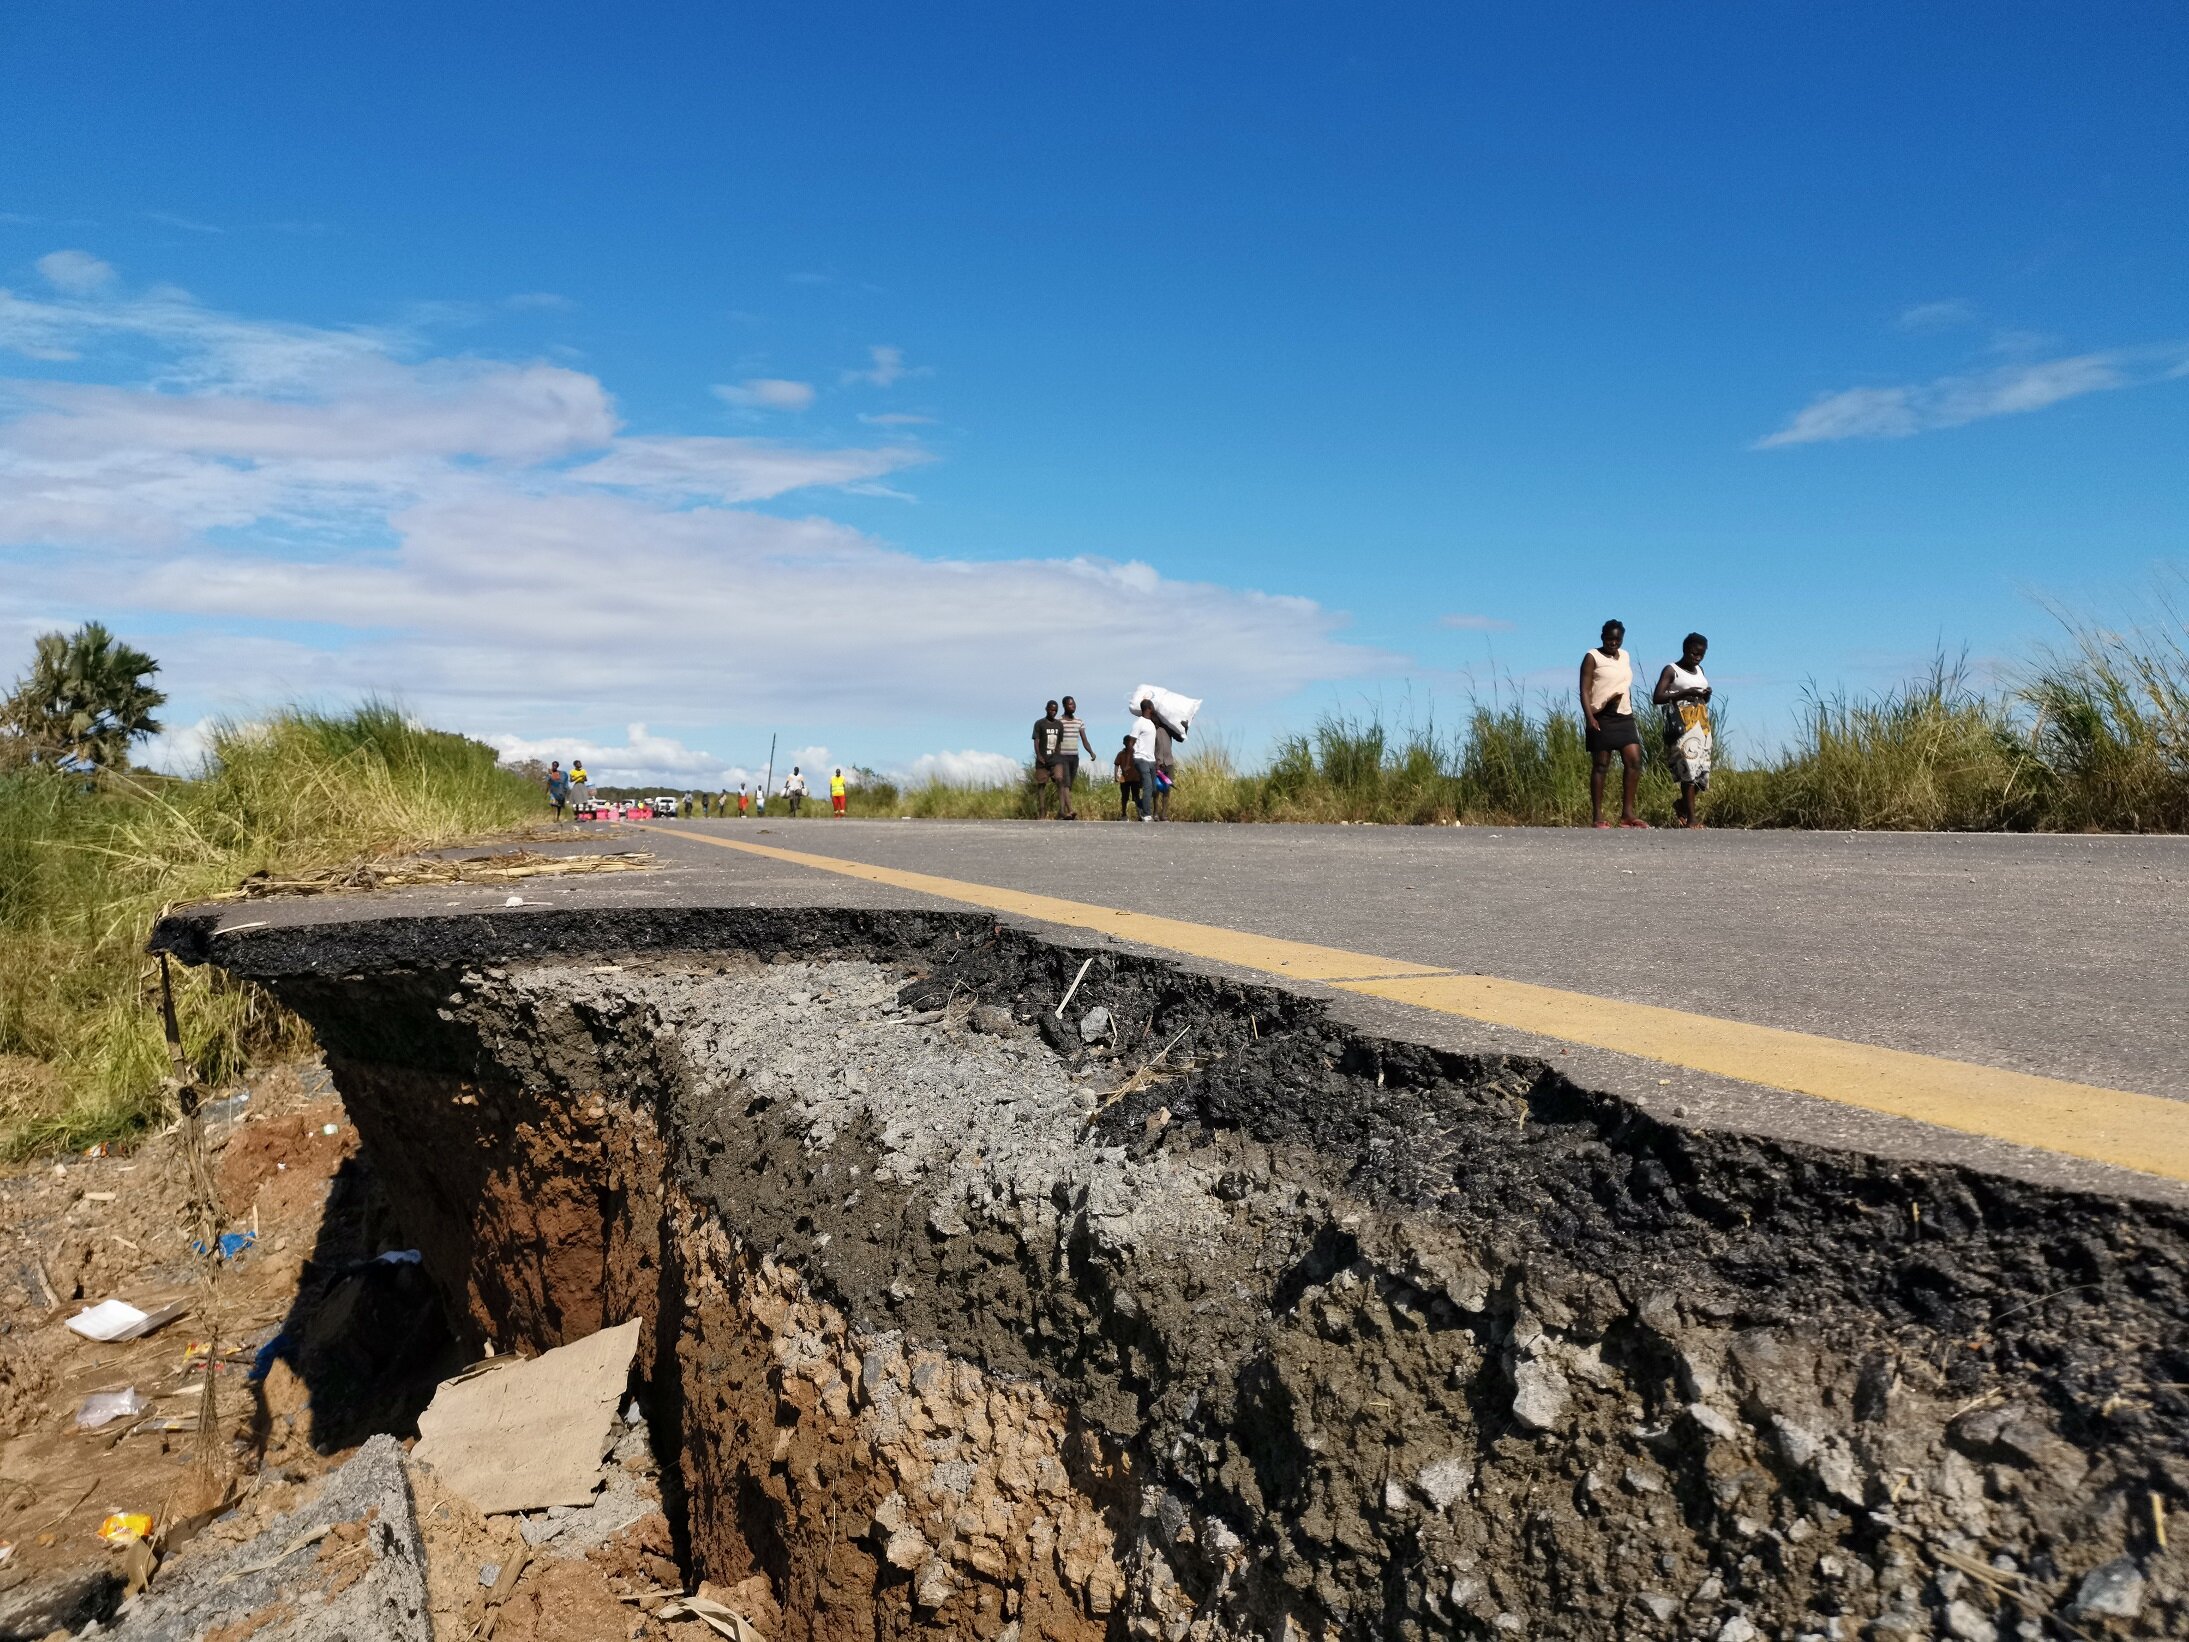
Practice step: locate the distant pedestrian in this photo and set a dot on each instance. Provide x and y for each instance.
(1167, 736)
(839, 792)
(1072, 740)
(1143, 750)
(1048, 737)
(1607, 707)
(744, 800)
(1128, 780)
(760, 801)
(581, 785)
(558, 786)
(1684, 694)
(794, 789)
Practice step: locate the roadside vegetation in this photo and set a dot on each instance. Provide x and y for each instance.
(2093, 738)
(91, 851)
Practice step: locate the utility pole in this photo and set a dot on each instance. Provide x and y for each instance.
(767, 782)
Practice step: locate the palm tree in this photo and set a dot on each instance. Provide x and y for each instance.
(84, 700)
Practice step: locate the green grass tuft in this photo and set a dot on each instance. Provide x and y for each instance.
(85, 868)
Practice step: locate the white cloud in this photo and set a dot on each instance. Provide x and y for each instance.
(885, 367)
(767, 393)
(180, 751)
(643, 759)
(1954, 401)
(189, 225)
(1475, 624)
(1936, 316)
(963, 769)
(898, 419)
(539, 302)
(199, 348)
(320, 512)
(76, 272)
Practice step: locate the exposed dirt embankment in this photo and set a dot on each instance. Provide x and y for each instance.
(963, 1326)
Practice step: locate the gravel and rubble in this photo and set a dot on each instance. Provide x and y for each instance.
(343, 1568)
(1220, 1319)
(353, 1346)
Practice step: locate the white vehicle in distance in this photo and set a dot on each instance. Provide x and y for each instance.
(665, 804)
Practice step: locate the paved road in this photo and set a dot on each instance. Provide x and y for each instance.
(2062, 958)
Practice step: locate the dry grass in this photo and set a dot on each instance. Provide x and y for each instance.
(2094, 738)
(85, 868)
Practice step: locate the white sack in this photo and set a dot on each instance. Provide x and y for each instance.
(1180, 710)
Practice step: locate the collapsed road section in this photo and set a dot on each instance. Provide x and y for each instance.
(1188, 1311)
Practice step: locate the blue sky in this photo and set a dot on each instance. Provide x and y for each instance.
(867, 374)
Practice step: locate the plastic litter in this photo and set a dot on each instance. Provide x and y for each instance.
(112, 1320)
(103, 1408)
(123, 1527)
(270, 1353)
(231, 1244)
(108, 1320)
(330, 1128)
(398, 1257)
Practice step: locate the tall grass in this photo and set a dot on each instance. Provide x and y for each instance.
(2112, 726)
(85, 869)
(1933, 755)
(2093, 738)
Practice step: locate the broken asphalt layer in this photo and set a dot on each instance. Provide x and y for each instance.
(971, 1319)
(2057, 957)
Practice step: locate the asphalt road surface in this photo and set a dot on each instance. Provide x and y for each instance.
(2001, 960)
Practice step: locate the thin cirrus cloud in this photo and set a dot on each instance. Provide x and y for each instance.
(737, 470)
(1464, 623)
(1955, 401)
(885, 368)
(767, 393)
(1936, 316)
(313, 511)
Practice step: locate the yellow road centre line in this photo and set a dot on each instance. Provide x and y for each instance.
(2115, 1126)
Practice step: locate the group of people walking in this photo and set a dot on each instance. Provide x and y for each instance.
(1145, 766)
(1607, 708)
(573, 787)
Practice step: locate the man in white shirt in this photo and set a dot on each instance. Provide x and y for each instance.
(1143, 732)
(794, 789)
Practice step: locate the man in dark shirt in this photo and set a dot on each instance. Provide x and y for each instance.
(1048, 738)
